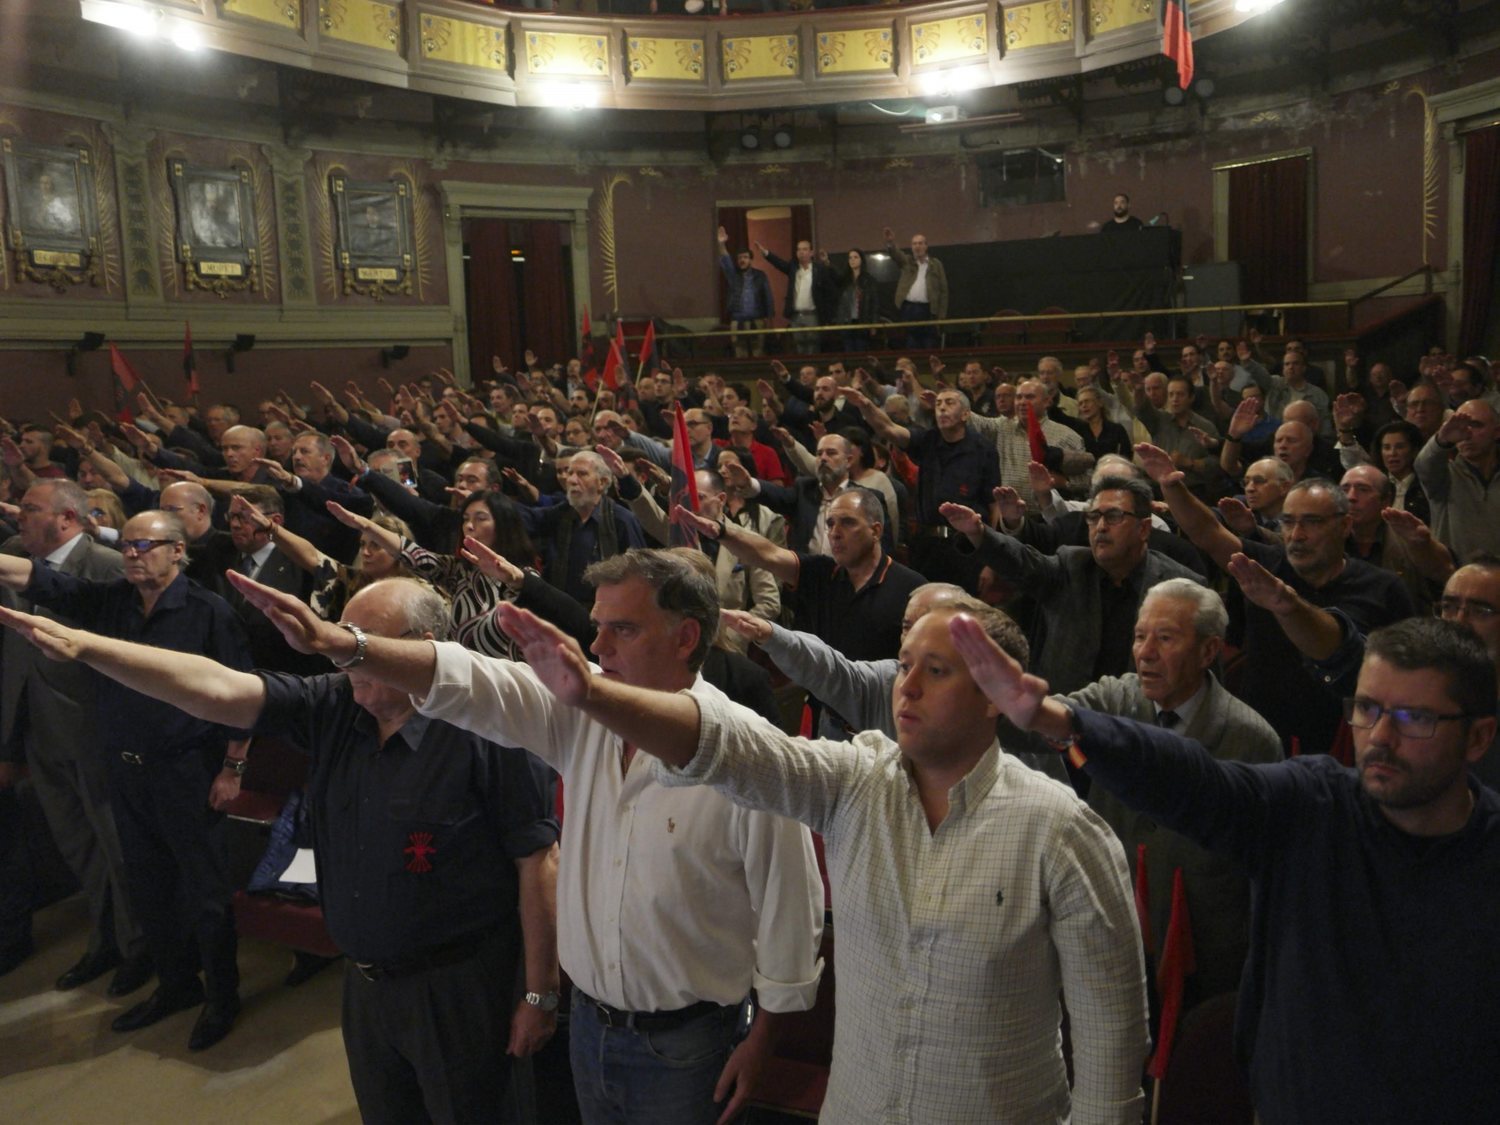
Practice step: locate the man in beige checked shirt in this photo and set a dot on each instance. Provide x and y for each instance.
(975, 898)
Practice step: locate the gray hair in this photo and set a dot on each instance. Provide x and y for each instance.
(680, 589)
(1327, 488)
(871, 503)
(1210, 618)
(601, 469)
(423, 609)
(1277, 468)
(66, 495)
(1140, 492)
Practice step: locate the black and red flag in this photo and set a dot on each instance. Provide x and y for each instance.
(649, 362)
(1176, 965)
(189, 360)
(586, 356)
(684, 478)
(128, 380)
(1177, 39)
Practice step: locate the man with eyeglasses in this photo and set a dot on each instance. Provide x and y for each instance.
(1312, 559)
(1088, 596)
(169, 773)
(1372, 991)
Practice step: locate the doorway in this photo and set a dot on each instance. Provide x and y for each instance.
(518, 285)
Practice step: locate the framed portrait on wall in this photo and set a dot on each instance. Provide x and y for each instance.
(50, 220)
(374, 235)
(216, 235)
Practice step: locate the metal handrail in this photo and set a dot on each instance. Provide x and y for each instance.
(1423, 269)
(972, 321)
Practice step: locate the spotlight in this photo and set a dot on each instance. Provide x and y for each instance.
(1203, 88)
(394, 352)
(88, 342)
(243, 342)
(782, 138)
(187, 37)
(1174, 95)
(750, 139)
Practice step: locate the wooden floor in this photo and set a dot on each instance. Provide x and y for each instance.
(283, 1064)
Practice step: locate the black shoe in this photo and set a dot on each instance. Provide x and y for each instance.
(213, 1023)
(131, 975)
(158, 1006)
(13, 955)
(308, 966)
(90, 967)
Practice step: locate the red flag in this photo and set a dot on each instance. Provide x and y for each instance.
(1176, 965)
(122, 369)
(189, 360)
(1143, 900)
(620, 338)
(648, 350)
(586, 348)
(1035, 437)
(1177, 39)
(612, 364)
(684, 477)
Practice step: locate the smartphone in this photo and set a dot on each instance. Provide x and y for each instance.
(407, 473)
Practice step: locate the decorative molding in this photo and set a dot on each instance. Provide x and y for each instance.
(746, 57)
(135, 190)
(364, 23)
(950, 40)
(665, 60)
(605, 219)
(464, 42)
(563, 55)
(286, 14)
(862, 50)
(289, 170)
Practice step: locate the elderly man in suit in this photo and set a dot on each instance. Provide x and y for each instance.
(1088, 597)
(255, 517)
(47, 720)
(1179, 633)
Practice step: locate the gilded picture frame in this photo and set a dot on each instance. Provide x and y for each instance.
(374, 248)
(50, 221)
(216, 234)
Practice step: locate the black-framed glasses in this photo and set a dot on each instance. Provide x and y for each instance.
(1411, 722)
(1112, 517)
(1450, 608)
(141, 546)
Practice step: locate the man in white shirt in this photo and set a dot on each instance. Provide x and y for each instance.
(811, 295)
(921, 290)
(672, 904)
(972, 893)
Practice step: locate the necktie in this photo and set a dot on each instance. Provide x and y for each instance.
(1167, 719)
(247, 565)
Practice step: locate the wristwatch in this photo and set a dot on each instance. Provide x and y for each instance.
(546, 1001)
(361, 645)
(238, 765)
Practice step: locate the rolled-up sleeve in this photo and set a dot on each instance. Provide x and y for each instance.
(496, 699)
(786, 892)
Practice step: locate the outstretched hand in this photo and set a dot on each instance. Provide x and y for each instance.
(55, 640)
(294, 619)
(692, 521)
(755, 629)
(1237, 517)
(554, 656)
(1017, 693)
(491, 563)
(1158, 464)
(965, 521)
(1260, 586)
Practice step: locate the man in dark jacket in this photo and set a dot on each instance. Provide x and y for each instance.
(749, 305)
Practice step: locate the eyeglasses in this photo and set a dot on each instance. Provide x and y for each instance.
(1112, 517)
(141, 546)
(1308, 523)
(1411, 722)
(1449, 608)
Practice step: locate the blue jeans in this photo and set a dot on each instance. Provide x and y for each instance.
(629, 1077)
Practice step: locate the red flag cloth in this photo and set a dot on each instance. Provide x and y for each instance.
(586, 349)
(1143, 900)
(1176, 965)
(620, 337)
(189, 360)
(648, 350)
(612, 365)
(1034, 436)
(122, 369)
(684, 477)
(1177, 39)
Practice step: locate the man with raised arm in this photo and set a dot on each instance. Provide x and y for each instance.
(672, 906)
(436, 854)
(1372, 992)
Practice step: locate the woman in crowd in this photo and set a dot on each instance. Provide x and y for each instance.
(1100, 435)
(859, 302)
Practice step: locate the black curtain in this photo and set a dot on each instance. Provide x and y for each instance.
(1481, 229)
(548, 319)
(1268, 229)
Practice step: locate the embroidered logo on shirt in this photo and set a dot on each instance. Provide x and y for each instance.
(671, 826)
(999, 898)
(419, 847)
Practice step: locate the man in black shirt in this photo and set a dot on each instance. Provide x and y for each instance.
(166, 783)
(436, 858)
(1121, 219)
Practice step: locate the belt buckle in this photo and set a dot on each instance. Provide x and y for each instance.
(132, 758)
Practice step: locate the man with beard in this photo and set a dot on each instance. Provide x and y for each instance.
(750, 304)
(1120, 219)
(586, 529)
(1375, 890)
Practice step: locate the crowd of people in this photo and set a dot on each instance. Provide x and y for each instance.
(1024, 651)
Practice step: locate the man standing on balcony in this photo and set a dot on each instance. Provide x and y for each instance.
(921, 291)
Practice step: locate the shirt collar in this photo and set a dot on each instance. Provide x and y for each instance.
(59, 556)
(259, 557)
(174, 596)
(1186, 710)
(974, 786)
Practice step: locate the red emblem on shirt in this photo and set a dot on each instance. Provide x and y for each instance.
(963, 490)
(419, 847)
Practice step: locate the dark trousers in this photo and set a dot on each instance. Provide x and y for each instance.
(916, 336)
(431, 1046)
(15, 875)
(177, 867)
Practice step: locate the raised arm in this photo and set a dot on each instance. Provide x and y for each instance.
(289, 543)
(202, 687)
(1316, 632)
(744, 544)
(879, 421)
(1193, 516)
(853, 688)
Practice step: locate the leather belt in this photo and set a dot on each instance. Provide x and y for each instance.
(652, 1021)
(450, 954)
